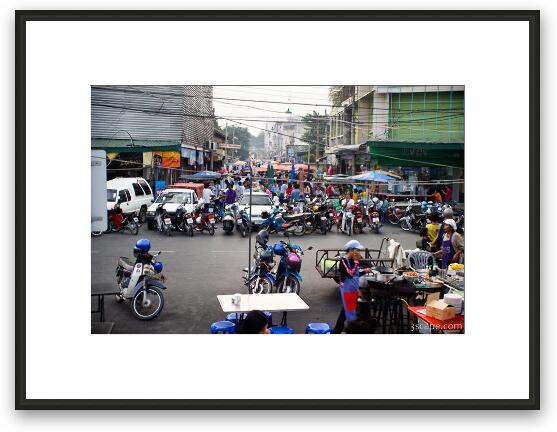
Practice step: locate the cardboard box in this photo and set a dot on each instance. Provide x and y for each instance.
(440, 310)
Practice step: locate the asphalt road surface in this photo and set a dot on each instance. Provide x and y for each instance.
(199, 268)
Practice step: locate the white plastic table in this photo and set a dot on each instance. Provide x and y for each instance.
(265, 302)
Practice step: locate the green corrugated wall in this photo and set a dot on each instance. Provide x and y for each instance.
(431, 116)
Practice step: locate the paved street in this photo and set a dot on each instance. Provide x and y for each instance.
(199, 268)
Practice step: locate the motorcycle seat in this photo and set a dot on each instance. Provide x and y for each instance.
(125, 264)
(292, 217)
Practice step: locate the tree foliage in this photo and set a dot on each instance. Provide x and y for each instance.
(239, 135)
(316, 131)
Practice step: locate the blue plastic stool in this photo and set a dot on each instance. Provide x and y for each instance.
(223, 327)
(318, 328)
(281, 330)
(234, 317)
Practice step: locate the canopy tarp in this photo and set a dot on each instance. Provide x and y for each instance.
(338, 178)
(417, 154)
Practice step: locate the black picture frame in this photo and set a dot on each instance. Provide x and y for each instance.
(531, 16)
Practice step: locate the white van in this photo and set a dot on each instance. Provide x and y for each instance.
(134, 193)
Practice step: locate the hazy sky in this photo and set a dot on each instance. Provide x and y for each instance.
(254, 114)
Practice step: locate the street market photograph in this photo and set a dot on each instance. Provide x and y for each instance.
(277, 209)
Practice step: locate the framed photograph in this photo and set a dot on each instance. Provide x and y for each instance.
(217, 179)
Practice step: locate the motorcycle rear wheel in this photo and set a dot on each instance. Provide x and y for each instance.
(211, 230)
(139, 308)
(133, 228)
(404, 225)
(309, 228)
(298, 228)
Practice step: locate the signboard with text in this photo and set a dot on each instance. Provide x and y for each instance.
(230, 146)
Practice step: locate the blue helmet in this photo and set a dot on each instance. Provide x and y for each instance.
(158, 267)
(143, 245)
(279, 249)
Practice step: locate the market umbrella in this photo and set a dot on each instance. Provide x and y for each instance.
(372, 176)
(204, 175)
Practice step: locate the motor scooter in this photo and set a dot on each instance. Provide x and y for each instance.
(141, 283)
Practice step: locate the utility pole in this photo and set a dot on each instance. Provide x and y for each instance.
(226, 157)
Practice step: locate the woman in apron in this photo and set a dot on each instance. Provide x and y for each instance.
(349, 273)
(452, 244)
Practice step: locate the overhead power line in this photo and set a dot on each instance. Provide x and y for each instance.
(133, 90)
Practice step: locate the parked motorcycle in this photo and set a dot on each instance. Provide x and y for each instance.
(275, 222)
(184, 221)
(412, 221)
(316, 217)
(287, 279)
(393, 214)
(333, 216)
(118, 221)
(243, 223)
(163, 223)
(141, 283)
(259, 278)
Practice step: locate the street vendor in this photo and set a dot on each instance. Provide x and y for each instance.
(452, 245)
(349, 268)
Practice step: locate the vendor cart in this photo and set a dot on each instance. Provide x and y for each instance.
(327, 260)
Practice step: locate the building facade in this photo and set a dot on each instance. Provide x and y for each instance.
(282, 139)
(416, 130)
(153, 131)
